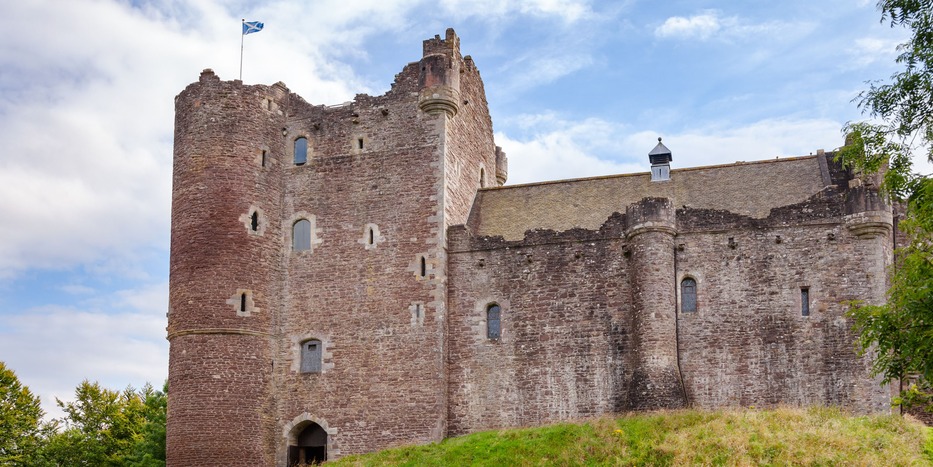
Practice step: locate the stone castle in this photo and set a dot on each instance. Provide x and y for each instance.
(354, 277)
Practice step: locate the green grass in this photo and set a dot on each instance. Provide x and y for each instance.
(816, 436)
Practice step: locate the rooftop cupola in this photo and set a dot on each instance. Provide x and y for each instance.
(660, 158)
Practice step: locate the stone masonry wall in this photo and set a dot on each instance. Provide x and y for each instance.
(570, 321)
(566, 339)
(381, 383)
(748, 343)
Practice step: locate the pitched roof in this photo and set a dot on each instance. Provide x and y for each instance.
(748, 188)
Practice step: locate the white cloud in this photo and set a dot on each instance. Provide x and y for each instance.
(569, 11)
(869, 50)
(564, 149)
(53, 348)
(700, 26)
(711, 23)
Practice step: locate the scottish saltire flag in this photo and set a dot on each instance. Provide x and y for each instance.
(250, 27)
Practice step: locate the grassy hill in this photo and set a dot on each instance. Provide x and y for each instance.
(816, 436)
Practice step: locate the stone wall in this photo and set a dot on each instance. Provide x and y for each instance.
(591, 319)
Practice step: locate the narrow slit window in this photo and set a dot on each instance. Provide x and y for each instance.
(371, 236)
(688, 295)
(243, 302)
(301, 151)
(301, 235)
(482, 178)
(254, 221)
(262, 162)
(805, 301)
(424, 267)
(311, 356)
(493, 321)
(359, 143)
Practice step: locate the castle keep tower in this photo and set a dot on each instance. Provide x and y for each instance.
(308, 272)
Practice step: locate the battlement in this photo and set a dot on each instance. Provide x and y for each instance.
(449, 45)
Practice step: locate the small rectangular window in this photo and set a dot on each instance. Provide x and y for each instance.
(805, 301)
(311, 357)
(359, 142)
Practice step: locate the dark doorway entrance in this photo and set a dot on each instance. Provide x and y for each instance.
(310, 446)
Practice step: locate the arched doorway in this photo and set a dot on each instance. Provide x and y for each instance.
(310, 446)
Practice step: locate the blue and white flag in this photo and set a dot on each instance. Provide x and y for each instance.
(250, 27)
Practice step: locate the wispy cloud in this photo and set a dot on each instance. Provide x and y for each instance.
(711, 23)
(53, 348)
(555, 148)
(700, 26)
(568, 11)
(869, 50)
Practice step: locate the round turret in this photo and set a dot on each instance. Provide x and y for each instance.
(656, 380)
(225, 256)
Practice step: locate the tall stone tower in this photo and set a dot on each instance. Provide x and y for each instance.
(308, 272)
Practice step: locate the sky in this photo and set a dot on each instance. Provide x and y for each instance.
(576, 88)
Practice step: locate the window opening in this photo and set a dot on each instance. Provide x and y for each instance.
(424, 267)
(311, 353)
(482, 178)
(301, 150)
(310, 446)
(243, 302)
(254, 221)
(262, 162)
(301, 235)
(359, 143)
(688, 295)
(372, 238)
(805, 301)
(493, 321)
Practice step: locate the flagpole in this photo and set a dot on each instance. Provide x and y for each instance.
(242, 25)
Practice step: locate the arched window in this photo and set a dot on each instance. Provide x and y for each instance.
(301, 235)
(424, 266)
(311, 353)
(493, 321)
(301, 150)
(688, 295)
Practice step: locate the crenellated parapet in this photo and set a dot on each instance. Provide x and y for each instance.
(650, 215)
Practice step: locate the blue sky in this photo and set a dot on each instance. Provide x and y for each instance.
(576, 88)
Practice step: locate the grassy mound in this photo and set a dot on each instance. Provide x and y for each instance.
(816, 436)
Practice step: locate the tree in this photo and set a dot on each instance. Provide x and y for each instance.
(102, 427)
(901, 330)
(149, 451)
(20, 420)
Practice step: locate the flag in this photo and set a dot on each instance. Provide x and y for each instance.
(250, 27)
